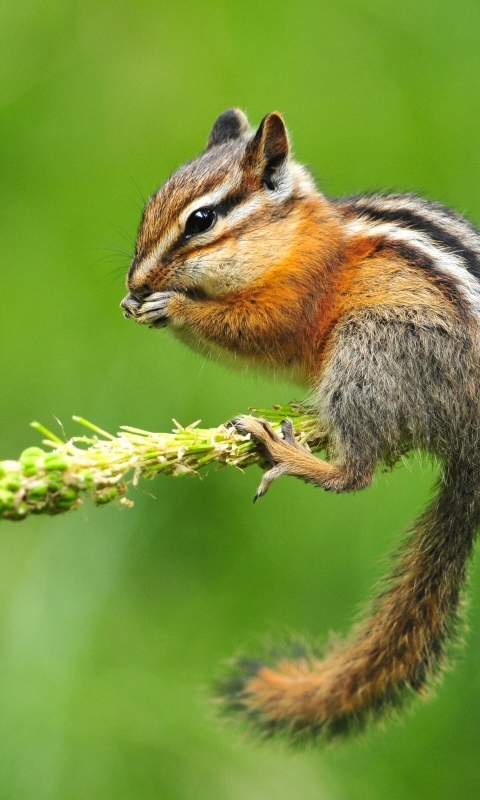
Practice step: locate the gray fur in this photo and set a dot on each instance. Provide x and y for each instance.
(399, 375)
(400, 380)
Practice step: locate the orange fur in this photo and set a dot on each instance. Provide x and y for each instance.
(365, 301)
(262, 320)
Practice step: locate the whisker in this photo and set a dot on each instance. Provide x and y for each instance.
(126, 237)
(142, 196)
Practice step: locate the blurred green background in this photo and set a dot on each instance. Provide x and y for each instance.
(113, 622)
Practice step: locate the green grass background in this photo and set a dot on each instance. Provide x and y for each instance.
(113, 622)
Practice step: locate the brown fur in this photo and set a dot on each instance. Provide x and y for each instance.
(374, 303)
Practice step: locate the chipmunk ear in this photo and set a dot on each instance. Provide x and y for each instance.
(269, 149)
(232, 124)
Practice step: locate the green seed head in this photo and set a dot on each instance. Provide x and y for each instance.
(106, 496)
(54, 481)
(32, 452)
(69, 493)
(11, 482)
(67, 498)
(30, 466)
(7, 499)
(38, 493)
(53, 461)
(64, 505)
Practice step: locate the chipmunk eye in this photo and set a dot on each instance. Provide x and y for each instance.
(200, 221)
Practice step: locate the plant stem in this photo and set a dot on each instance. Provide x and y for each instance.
(102, 467)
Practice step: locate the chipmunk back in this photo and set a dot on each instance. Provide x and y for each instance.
(373, 302)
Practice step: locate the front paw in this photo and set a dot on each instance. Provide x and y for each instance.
(154, 311)
(130, 305)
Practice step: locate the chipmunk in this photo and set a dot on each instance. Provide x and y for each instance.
(373, 302)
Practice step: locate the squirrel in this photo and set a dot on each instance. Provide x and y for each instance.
(373, 302)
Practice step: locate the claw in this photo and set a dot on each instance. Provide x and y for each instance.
(268, 477)
(260, 492)
(130, 305)
(261, 432)
(287, 430)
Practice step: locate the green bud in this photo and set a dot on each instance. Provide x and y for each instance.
(64, 505)
(30, 468)
(53, 461)
(101, 500)
(32, 452)
(106, 496)
(38, 493)
(69, 493)
(31, 461)
(7, 499)
(12, 482)
(54, 481)
(66, 498)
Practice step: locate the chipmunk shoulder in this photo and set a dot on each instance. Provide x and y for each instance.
(373, 302)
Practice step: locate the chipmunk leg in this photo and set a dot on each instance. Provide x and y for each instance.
(288, 457)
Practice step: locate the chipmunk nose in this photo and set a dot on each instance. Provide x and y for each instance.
(141, 292)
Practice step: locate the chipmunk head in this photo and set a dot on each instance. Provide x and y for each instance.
(214, 225)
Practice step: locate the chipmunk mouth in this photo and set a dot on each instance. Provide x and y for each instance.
(152, 309)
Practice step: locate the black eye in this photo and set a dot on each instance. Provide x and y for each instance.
(200, 221)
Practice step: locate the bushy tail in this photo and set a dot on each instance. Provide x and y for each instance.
(394, 653)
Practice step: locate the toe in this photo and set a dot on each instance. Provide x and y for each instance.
(288, 434)
(268, 477)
